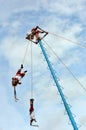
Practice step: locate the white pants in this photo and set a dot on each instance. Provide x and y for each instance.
(18, 77)
(32, 116)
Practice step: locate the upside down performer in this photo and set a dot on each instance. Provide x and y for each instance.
(31, 110)
(16, 79)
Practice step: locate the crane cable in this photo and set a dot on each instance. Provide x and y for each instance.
(31, 70)
(79, 44)
(23, 61)
(65, 66)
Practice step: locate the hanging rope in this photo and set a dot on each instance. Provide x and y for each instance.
(31, 71)
(66, 67)
(23, 61)
(79, 44)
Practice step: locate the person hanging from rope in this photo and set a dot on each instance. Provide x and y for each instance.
(31, 110)
(17, 78)
(35, 32)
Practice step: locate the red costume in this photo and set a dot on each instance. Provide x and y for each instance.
(21, 74)
(16, 79)
(36, 32)
(31, 110)
(31, 106)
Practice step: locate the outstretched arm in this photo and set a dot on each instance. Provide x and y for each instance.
(15, 94)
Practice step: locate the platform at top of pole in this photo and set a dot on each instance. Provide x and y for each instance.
(36, 34)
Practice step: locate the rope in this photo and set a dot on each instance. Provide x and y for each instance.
(79, 44)
(31, 71)
(23, 61)
(66, 67)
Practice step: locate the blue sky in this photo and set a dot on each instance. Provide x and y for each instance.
(62, 17)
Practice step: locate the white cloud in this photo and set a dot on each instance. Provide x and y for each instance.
(60, 7)
(13, 47)
(71, 87)
(83, 120)
(9, 114)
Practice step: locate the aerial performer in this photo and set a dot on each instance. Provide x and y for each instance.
(35, 34)
(32, 115)
(17, 79)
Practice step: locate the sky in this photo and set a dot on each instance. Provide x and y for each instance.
(62, 17)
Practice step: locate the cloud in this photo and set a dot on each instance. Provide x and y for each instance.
(83, 120)
(58, 17)
(9, 114)
(60, 7)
